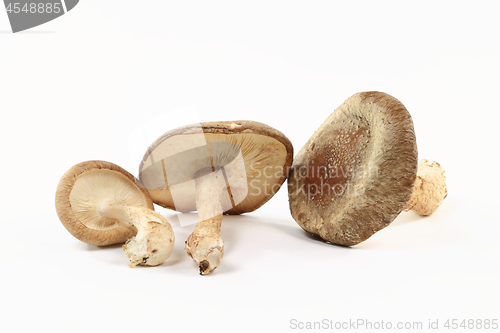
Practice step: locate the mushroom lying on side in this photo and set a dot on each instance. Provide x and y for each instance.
(217, 167)
(356, 173)
(100, 204)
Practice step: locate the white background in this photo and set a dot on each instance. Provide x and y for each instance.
(83, 86)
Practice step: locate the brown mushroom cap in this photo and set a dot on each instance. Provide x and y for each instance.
(356, 173)
(79, 192)
(255, 157)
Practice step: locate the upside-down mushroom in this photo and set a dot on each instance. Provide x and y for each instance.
(100, 203)
(215, 168)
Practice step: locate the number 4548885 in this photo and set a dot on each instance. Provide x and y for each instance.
(33, 8)
(470, 324)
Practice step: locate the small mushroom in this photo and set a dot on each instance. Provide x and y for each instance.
(430, 188)
(356, 173)
(100, 204)
(215, 168)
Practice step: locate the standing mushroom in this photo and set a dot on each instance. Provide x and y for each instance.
(356, 173)
(215, 168)
(100, 204)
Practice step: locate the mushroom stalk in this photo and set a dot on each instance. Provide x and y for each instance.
(205, 245)
(429, 189)
(154, 241)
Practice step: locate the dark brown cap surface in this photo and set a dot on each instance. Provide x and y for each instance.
(356, 173)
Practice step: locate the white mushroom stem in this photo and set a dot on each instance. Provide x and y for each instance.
(205, 245)
(429, 190)
(154, 241)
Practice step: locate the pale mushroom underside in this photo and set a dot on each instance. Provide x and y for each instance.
(254, 164)
(84, 187)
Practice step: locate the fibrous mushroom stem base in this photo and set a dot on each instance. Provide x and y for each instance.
(154, 241)
(429, 190)
(205, 245)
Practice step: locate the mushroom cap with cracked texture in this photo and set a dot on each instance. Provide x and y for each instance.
(255, 159)
(87, 185)
(356, 173)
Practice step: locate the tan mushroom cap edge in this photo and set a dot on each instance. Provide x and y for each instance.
(118, 232)
(261, 146)
(356, 173)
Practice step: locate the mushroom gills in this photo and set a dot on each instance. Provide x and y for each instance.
(101, 204)
(255, 166)
(96, 189)
(154, 240)
(215, 168)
